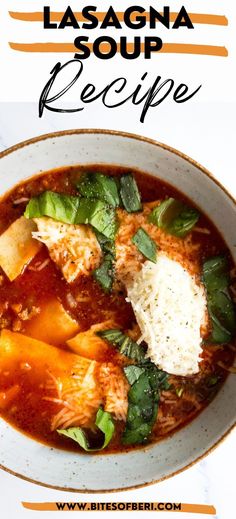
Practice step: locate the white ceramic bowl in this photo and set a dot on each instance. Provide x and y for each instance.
(64, 470)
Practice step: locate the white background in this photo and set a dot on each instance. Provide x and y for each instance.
(204, 128)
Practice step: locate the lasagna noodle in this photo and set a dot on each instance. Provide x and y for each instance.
(53, 324)
(89, 344)
(17, 247)
(70, 380)
(76, 384)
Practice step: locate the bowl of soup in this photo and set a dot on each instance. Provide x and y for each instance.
(117, 311)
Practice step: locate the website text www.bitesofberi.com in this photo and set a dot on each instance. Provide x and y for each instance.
(106, 507)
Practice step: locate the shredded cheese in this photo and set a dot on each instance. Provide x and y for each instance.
(170, 308)
(114, 389)
(74, 248)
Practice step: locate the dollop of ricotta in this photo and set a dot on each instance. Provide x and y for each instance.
(170, 308)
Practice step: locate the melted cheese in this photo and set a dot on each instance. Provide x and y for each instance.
(74, 248)
(170, 308)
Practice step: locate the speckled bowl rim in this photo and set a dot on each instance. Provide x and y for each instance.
(125, 135)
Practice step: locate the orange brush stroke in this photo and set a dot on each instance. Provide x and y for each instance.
(211, 19)
(168, 48)
(185, 507)
(198, 509)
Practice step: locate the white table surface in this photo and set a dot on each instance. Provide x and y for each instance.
(206, 132)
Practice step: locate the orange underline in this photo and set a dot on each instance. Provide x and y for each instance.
(211, 19)
(185, 507)
(168, 48)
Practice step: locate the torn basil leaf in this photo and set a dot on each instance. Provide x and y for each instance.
(222, 307)
(104, 423)
(77, 434)
(174, 217)
(74, 210)
(104, 274)
(146, 383)
(216, 273)
(220, 304)
(55, 205)
(107, 245)
(124, 344)
(99, 215)
(133, 373)
(219, 334)
(145, 244)
(129, 193)
(103, 187)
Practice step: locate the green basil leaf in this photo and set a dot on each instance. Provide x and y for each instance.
(216, 273)
(136, 436)
(145, 245)
(77, 434)
(220, 304)
(133, 372)
(185, 222)
(74, 210)
(174, 217)
(96, 185)
(129, 193)
(55, 205)
(99, 215)
(107, 245)
(219, 334)
(104, 423)
(104, 274)
(146, 382)
(157, 378)
(32, 209)
(164, 214)
(124, 344)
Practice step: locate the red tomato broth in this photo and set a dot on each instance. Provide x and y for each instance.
(28, 411)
